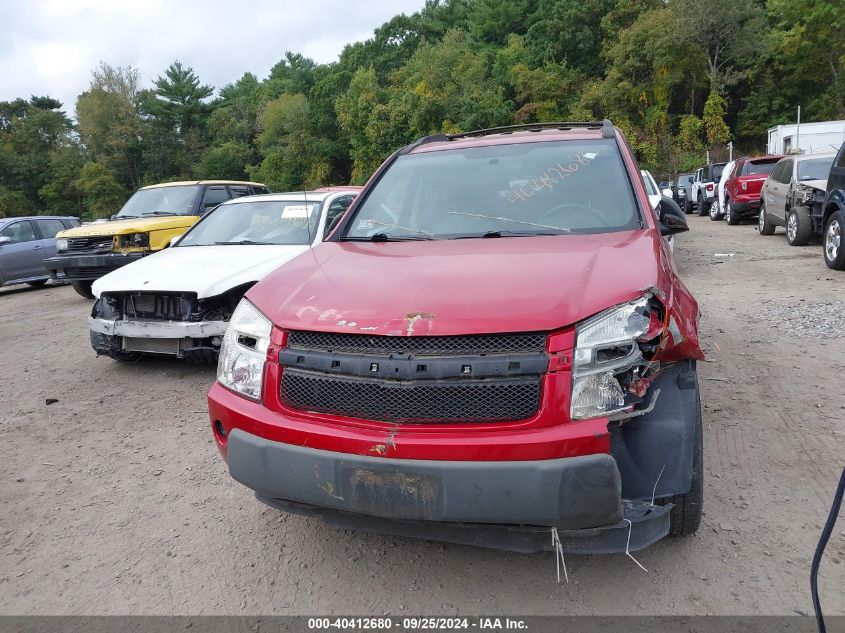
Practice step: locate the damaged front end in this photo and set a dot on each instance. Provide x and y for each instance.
(616, 358)
(128, 325)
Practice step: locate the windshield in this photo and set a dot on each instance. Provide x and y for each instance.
(541, 188)
(760, 167)
(258, 222)
(174, 200)
(815, 169)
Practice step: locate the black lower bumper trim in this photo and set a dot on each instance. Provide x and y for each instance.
(648, 524)
(88, 267)
(569, 493)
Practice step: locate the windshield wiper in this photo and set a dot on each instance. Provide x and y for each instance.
(513, 234)
(161, 213)
(243, 243)
(386, 237)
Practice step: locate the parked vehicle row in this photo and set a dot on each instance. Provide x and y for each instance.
(149, 220)
(804, 193)
(25, 244)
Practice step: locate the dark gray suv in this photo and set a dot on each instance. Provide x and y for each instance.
(24, 245)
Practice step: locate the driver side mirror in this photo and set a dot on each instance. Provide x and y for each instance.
(671, 217)
(5, 239)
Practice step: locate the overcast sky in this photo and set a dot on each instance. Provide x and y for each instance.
(48, 47)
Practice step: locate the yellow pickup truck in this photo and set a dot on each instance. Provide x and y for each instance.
(147, 223)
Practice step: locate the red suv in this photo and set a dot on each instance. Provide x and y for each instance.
(493, 343)
(742, 188)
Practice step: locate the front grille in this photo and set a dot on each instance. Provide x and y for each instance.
(151, 345)
(473, 345)
(95, 243)
(158, 306)
(421, 401)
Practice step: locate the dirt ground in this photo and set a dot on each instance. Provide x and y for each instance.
(115, 501)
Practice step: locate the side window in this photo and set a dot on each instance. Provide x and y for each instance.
(19, 232)
(213, 197)
(785, 171)
(840, 160)
(71, 222)
(260, 191)
(239, 192)
(49, 228)
(336, 209)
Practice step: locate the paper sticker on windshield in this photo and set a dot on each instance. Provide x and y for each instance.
(296, 211)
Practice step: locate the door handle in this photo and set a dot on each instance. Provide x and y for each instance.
(37, 246)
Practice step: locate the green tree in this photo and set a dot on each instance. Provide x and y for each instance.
(294, 157)
(229, 160)
(569, 31)
(14, 204)
(727, 32)
(715, 128)
(175, 114)
(102, 194)
(109, 122)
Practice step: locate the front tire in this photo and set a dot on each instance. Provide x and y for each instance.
(687, 206)
(834, 249)
(703, 207)
(83, 288)
(764, 227)
(799, 226)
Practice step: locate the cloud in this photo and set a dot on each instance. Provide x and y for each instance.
(50, 48)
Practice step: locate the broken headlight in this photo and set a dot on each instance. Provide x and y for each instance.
(608, 358)
(244, 350)
(135, 240)
(806, 195)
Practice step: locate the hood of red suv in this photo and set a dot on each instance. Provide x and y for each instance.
(463, 286)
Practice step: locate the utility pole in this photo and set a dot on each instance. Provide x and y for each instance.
(708, 157)
(730, 151)
(798, 133)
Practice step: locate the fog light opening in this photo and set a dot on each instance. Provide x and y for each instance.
(220, 430)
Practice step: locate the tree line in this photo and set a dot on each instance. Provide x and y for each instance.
(679, 77)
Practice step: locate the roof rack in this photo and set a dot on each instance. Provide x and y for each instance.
(606, 127)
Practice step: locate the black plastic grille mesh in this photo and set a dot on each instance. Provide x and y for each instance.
(411, 401)
(474, 345)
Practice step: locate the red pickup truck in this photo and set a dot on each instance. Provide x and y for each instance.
(742, 188)
(493, 343)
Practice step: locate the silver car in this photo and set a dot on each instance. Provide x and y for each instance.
(24, 245)
(793, 196)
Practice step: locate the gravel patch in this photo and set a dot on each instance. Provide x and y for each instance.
(813, 320)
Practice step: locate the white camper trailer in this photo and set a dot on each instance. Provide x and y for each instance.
(808, 138)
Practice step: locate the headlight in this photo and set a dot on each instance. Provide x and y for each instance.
(608, 358)
(135, 240)
(806, 195)
(244, 350)
(61, 244)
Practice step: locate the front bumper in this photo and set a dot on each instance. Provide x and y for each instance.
(504, 505)
(500, 488)
(157, 329)
(88, 267)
